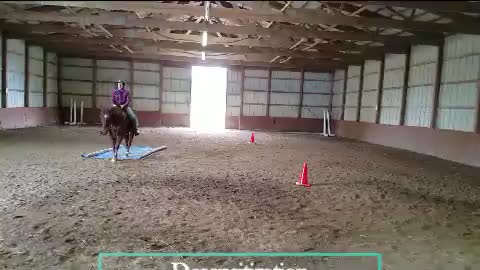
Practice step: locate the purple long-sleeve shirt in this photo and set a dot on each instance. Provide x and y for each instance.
(121, 97)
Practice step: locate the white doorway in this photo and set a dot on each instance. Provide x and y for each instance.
(209, 92)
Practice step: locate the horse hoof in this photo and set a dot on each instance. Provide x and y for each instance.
(128, 153)
(114, 160)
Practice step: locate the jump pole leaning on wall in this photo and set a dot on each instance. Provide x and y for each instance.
(326, 124)
(324, 133)
(71, 112)
(329, 118)
(74, 112)
(81, 113)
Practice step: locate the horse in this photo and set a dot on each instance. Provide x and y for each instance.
(115, 121)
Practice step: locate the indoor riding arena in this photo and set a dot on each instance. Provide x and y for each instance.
(329, 135)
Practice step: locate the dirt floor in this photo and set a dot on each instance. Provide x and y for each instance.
(216, 192)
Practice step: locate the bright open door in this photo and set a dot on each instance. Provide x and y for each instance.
(209, 87)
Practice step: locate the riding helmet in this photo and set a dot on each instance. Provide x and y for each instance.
(122, 82)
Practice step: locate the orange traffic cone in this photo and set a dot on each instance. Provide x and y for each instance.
(303, 181)
(252, 138)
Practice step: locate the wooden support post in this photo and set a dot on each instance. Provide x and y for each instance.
(26, 76)
(4, 71)
(300, 101)
(94, 90)
(360, 92)
(378, 111)
(436, 89)
(477, 108)
(406, 75)
(59, 82)
(160, 89)
(242, 88)
(344, 95)
(45, 76)
(330, 103)
(132, 90)
(229, 68)
(269, 89)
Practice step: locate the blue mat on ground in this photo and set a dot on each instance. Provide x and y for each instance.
(136, 152)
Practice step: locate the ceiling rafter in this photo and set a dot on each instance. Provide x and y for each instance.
(297, 15)
(71, 49)
(400, 15)
(333, 27)
(270, 24)
(264, 43)
(284, 32)
(152, 46)
(442, 6)
(149, 36)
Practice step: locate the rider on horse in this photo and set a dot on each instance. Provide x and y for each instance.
(121, 98)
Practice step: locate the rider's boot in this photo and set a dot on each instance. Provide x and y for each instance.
(135, 129)
(135, 125)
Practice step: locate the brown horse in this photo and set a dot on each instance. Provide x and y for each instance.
(115, 121)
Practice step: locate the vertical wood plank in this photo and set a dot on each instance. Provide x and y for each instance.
(360, 91)
(242, 88)
(94, 90)
(26, 92)
(160, 89)
(300, 102)
(330, 105)
(344, 95)
(45, 76)
(378, 111)
(132, 90)
(437, 85)
(269, 89)
(406, 75)
(477, 115)
(59, 82)
(4, 70)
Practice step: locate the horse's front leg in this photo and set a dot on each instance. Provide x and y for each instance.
(114, 149)
(128, 141)
(119, 141)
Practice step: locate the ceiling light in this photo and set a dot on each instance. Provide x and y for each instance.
(204, 38)
(207, 10)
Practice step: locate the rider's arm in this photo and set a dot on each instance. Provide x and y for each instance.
(114, 101)
(127, 99)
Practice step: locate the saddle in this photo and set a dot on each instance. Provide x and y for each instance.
(123, 112)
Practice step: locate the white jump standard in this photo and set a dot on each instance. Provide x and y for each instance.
(326, 124)
(73, 113)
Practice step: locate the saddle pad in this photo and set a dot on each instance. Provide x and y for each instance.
(136, 152)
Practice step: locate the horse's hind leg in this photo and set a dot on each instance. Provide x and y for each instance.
(130, 139)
